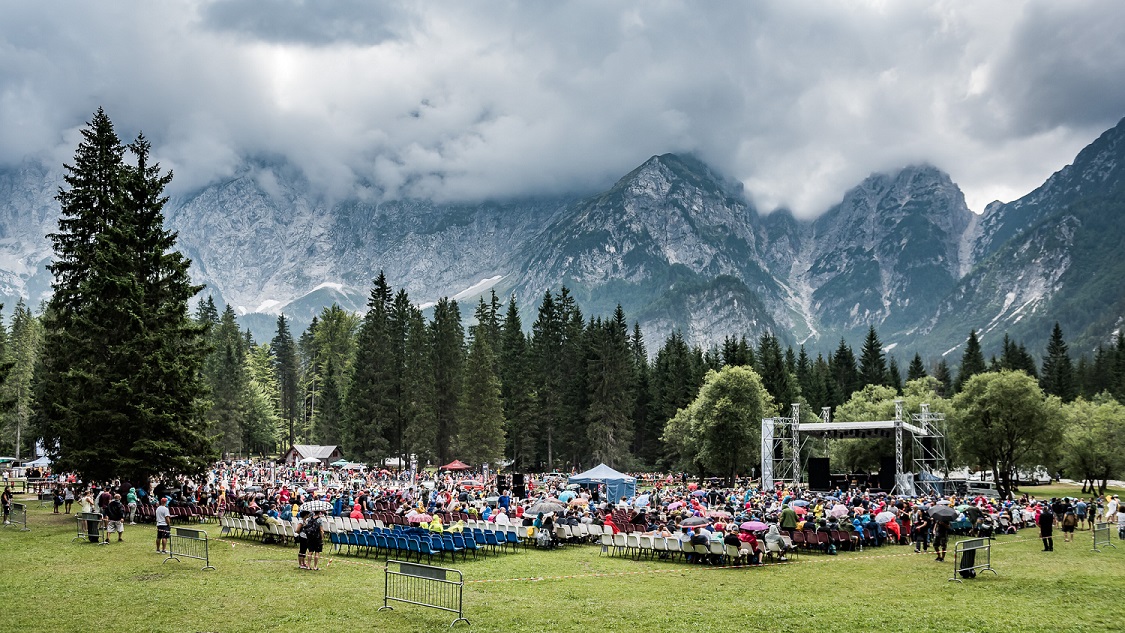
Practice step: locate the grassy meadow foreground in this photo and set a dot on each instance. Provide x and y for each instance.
(53, 584)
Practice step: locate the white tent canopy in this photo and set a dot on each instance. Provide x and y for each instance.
(617, 484)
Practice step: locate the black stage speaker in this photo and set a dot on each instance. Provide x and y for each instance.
(778, 451)
(887, 473)
(818, 473)
(519, 491)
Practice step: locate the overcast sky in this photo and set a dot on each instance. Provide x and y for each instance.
(468, 100)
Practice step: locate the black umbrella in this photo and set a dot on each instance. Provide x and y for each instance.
(694, 521)
(944, 513)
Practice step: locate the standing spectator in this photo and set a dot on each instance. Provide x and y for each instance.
(6, 500)
(941, 538)
(131, 499)
(68, 498)
(921, 530)
(1046, 523)
(1080, 509)
(1069, 522)
(115, 516)
(163, 532)
(314, 533)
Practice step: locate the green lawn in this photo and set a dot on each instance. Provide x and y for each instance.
(1064, 490)
(52, 584)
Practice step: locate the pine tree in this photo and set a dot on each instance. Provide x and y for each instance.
(23, 350)
(844, 372)
(972, 362)
(774, 374)
(368, 404)
(872, 363)
(1057, 377)
(448, 353)
(118, 389)
(327, 425)
(610, 375)
(517, 391)
(284, 351)
(420, 436)
(917, 369)
(647, 446)
(944, 378)
(480, 429)
(894, 376)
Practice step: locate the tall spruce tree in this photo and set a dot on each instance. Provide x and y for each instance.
(420, 437)
(448, 353)
(944, 378)
(480, 427)
(872, 362)
(327, 423)
(844, 373)
(972, 362)
(23, 350)
(647, 430)
(917, 369)
(368, 404)
(118, 389)
(610, 375)
(284, 350)
(517, 390)
(1057, 377)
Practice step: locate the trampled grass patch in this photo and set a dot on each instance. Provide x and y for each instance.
(53, 584)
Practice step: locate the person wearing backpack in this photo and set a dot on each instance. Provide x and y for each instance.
(302, 539)
(314, 534)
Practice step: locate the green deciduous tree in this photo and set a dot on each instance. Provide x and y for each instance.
(1005, 424)
(1093, 447)
(719, 432)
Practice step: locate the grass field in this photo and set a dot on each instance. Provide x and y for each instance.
(1065, 490)
(53, 584)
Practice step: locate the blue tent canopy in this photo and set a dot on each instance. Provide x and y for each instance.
(617, 484)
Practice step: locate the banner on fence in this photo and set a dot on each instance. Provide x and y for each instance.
(971, 556)
(89, 527)
(1101, 536)
(426, 586)
(189, 543)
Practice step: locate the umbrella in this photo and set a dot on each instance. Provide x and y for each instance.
(309, 460)
(545, 507)
(699, 493)
(419, 518)
(963, 507)
(800, 510)
(339, 462)
(718, 514)
(676, 505)
(839, 511)
(943, 502)
(640, 501)
(566, 496)
(884, 517)
(252, 489)
(694, 521)
(317, 505)
(754, 526)
(943, 513)
(799, 503)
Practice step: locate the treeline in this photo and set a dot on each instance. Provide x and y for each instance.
(569, 390)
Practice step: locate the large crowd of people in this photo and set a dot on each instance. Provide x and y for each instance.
(667, 506)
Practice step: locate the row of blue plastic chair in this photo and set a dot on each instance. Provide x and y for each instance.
(404, 545)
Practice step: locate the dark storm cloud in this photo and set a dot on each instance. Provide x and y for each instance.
(470, 100)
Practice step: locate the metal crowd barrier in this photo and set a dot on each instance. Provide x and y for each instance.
(18, 516)
(189, 543)
(90, 527)
(965, 558)
(424, 585)
(1101, 536)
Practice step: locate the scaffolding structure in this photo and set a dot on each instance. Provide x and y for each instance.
(781, 445)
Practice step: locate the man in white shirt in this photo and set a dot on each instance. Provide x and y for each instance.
(163, 532)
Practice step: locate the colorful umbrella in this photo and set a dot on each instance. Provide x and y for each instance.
(754, 526)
